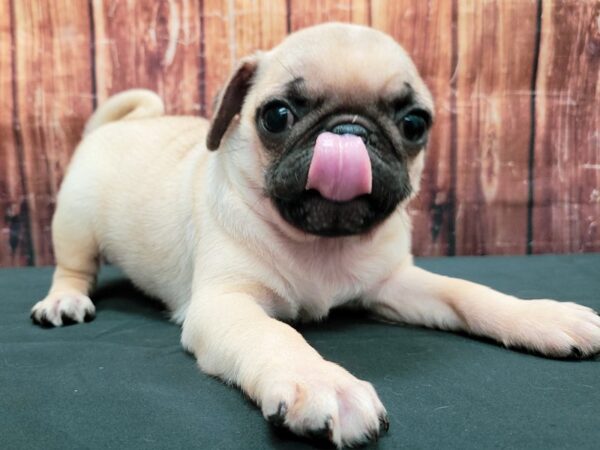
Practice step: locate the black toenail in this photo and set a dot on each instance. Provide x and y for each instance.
(278, 418)
(66, 320)
(384, 422)
(326, 432)
(44, 321)
(89, 316)
(321, 433)
(576, 352)
(373, 435)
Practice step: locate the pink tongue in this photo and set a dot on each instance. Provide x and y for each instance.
(340, 168)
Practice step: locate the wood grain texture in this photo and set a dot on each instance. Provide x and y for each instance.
(14, 221)
(53, 100)
(219, 47)
(307, 13)
(424, 29)
(496, 51)
(237, 29)
(566, 172)
(514, 154)
(150, 44)
(259, 25)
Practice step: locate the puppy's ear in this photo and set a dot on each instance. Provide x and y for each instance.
(230, 100)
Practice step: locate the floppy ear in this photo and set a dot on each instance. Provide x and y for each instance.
(229, 102)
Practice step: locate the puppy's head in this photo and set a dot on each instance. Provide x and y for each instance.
(337, 118)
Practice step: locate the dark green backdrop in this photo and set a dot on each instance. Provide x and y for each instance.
(123, 380)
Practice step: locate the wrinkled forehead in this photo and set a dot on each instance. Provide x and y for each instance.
(346, 61)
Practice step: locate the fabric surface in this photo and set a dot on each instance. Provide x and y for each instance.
(123, 380)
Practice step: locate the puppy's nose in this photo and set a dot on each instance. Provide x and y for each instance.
(351, 128)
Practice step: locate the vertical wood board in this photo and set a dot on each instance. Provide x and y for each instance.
(566, 172)
(149, 44)
(14, 220)
(54, 98)
(496, 51)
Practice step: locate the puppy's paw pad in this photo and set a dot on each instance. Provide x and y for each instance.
(61, 309)
(325, 402)
(558, 329)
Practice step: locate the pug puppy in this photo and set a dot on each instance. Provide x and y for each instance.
(290, 202)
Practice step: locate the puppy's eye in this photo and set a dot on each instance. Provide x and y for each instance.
(413, 126)
(276, 117)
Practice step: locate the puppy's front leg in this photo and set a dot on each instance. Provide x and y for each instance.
(233, 338)
(557, 329)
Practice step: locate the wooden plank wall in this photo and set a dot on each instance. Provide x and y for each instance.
(514, 162)
(494, 76)
(566, 158)
(15, 238)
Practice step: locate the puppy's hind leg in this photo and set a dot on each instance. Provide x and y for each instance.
(76, 254)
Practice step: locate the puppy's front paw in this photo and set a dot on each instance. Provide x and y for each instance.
(64, 308)
(323, 400)
(558, 329)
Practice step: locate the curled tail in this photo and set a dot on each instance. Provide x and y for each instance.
(131, 104)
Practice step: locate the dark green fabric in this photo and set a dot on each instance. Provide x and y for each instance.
(123, 381)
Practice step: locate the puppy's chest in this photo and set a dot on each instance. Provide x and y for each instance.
(315, 288)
